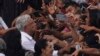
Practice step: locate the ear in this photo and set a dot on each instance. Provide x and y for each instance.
(25, 27)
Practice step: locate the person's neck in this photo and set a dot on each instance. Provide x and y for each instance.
(28, 32)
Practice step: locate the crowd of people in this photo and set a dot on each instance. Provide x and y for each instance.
(53, 28)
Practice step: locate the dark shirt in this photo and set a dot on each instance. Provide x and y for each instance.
(13, 42)
(90, 39)
(95, 17)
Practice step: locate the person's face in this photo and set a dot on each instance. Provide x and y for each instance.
(49, 48)
(31, 25)
(59, 3)
(30, 9)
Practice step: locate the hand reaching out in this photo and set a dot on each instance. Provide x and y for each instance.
(51, 38)
(91, 6)
(87, 28)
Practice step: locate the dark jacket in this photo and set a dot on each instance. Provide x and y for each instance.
(13, 42)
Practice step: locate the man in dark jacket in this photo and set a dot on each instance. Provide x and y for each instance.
(13, 42)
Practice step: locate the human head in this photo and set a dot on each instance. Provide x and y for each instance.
(72, 7)
(42, 46)
(30, 9)
(25, 23)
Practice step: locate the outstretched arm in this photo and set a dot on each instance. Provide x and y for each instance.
(90, 28)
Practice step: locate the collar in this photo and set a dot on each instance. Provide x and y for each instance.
(26, 35)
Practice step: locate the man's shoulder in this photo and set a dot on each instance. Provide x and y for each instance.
(25, 35)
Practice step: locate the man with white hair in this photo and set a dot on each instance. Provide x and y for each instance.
(26, 26)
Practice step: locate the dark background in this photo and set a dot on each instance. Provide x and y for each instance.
(10, 9)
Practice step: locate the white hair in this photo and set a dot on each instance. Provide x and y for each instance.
(21, 21)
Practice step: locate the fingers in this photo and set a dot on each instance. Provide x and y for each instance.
(82, 26)
(87, 28)
(48, 37)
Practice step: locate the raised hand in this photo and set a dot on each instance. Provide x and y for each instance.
(43, 5)
(51, 7)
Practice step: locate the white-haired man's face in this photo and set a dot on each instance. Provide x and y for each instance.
(31, 25)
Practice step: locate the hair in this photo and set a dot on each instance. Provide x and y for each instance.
(41, 44)
(21, 21)
(12, 39)
(72, 3)
(2, 45)
(29, 53)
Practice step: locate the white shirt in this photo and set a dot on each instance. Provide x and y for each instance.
(1, 54)
(3, 24)
(55, 53)
(27, 42)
